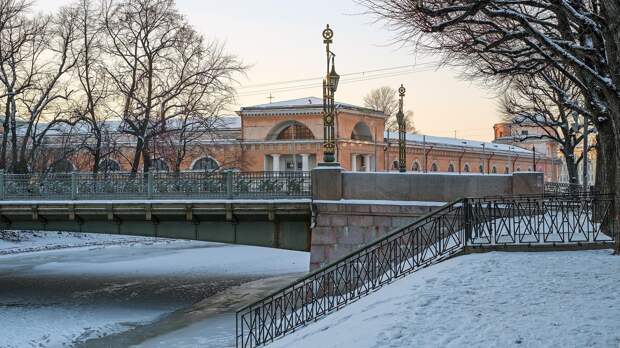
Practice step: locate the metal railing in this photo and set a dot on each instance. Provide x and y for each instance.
(542, 220)
(428, 240)
(155, 185)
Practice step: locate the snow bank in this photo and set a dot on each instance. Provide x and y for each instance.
(563, 299)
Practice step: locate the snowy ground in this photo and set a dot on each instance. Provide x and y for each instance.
(92, 286)
(550, 299)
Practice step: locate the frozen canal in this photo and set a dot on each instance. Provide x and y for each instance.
(138, 292)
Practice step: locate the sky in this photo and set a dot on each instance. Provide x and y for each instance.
(281, 41)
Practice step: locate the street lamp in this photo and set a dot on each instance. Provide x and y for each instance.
(330, 85)
(402, 145)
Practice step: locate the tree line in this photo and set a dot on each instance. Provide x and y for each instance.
(95, 76)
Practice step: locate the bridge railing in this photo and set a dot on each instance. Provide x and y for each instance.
(542, 220)
(155, 185)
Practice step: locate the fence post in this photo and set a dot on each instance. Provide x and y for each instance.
(229, 184)
(2, 184)
(149, 184)
(468, 220)
(73, 186)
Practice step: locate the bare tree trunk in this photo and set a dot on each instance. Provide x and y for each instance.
(571, 167)
(5, 135)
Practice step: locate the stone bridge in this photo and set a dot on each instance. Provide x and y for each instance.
(328, 212)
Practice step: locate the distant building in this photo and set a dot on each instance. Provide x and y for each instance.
(287, 136)
(528, 135)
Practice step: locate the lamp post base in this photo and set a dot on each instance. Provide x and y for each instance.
(329, 158)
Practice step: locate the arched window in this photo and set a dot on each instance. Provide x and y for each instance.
(506, 170)
(416, 166)
(62, 166)
(434, 167)
(494, 170)
(295, 131)
(395, 164)
(160, 165)
(466, 168)
(362, 132)
(481, 168)
(109, 165)
(207, 164)
(451, 168)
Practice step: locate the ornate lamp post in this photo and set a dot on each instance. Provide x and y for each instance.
(330, 85)
(402, 143)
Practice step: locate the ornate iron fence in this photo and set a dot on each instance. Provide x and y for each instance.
(531, 220)
(549, 220)
(155, 185)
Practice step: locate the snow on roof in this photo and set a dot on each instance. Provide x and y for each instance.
(229, 122)
(454, 142)
(307, 102)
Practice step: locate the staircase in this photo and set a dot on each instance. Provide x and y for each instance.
(524, 221)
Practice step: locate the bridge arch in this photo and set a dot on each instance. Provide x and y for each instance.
(362, 132)
(290, 130)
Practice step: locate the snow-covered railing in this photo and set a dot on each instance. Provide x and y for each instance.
(552, 220)
(478, 222)
(555, 188)
(155, 185)
(428, 240)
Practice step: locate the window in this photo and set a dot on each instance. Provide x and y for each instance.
(506, 170)
(518, 169)
(361, 132)
(481, 168)
(451, 168)
(466, 168)
(494, 170)
(395, 164)
(62, 166)
(416, 166)
(295, 132)
(109, 165)
(205, 164)
(524, 132)
(434, 167)
(160, 165)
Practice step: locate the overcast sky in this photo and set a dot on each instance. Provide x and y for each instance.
(281, 40)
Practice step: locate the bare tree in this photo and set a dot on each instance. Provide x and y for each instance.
(554, 104)
(495, 40)
(159, 61)
(34, 69)
(90, 99)
(385, 99)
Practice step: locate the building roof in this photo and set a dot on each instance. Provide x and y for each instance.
(429, 140)
(307, 105)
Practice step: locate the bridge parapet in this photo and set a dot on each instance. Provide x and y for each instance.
(352, 209)
(155, 185)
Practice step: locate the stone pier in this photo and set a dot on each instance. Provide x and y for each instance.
(351, 210)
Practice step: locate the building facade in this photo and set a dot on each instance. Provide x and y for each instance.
(288, 136)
